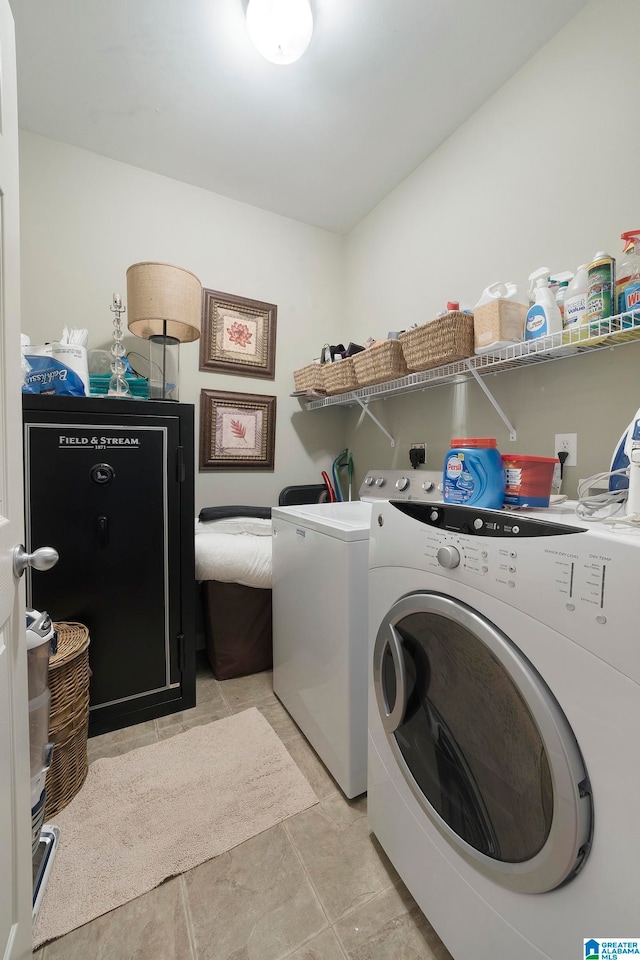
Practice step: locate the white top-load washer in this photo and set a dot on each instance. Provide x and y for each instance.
(320, 570)
(504, 711)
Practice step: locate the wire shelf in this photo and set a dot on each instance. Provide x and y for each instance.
(597, 335)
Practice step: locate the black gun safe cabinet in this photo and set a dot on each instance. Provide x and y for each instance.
(109, 484)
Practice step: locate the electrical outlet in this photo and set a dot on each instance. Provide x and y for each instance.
(568, 442)
(420, 456)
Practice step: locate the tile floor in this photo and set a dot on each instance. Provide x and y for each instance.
(316, 887)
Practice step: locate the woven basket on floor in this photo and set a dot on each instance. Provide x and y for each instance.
(383, 362)
(439, 341)
(309, 377)
(339, 376)
(69, 718)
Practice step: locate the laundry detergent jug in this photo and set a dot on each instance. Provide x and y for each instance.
(474, 473)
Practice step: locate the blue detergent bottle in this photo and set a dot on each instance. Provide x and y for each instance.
(474, 474)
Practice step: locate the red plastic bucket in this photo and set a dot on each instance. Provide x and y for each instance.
(528, 480)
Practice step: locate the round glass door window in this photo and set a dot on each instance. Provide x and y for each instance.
(483, 743)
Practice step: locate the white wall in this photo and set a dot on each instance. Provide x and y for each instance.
(544, 173)
(85, 219)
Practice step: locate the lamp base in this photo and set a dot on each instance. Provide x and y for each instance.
(164, 365)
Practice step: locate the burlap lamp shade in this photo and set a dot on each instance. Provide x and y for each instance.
(164, 305)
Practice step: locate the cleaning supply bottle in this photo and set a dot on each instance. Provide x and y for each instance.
(561, 294)
(575, 298)
(543, 317)
(628, 278)
(558, 284)
(503, 291)
(542, 273)
(474, 473)
(601, 304)
(454, 306)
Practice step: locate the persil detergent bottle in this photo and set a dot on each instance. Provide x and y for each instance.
(474, 473)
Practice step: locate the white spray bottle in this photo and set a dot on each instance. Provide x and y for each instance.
(544, 316)
(533, 279)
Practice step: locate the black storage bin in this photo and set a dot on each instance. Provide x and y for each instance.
(237, 628)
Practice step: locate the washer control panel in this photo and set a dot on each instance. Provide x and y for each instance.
(484, 523)
(556, 570)
(420, 485)
(509, 553)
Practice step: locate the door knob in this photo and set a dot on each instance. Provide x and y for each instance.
(41, 559)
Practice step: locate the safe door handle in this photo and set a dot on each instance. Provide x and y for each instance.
(103, 529)
(41, 559)
(391, 719)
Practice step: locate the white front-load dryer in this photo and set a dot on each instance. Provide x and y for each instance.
(504, 714)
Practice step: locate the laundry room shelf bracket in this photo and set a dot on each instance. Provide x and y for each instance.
(492, 400)
(364, 404)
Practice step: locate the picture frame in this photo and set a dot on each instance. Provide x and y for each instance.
(238, 335)
(237, 431)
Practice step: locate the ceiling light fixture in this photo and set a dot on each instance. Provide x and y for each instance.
(280, 29)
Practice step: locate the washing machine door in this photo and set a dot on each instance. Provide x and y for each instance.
(482, 743)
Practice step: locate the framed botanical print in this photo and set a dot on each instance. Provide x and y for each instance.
(237, 431)
(238, 335)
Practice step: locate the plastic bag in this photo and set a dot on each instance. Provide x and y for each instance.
(56, 368)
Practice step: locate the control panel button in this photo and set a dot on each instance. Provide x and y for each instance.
(434, 515)
(485, 568)
(601, 618)
(515, 530)
(513, 553)
(570, 606)
(368, 481)
(512, 569)
(402, 483)
(448, 557)
(478, 524)
(428, 486)
(380, 482)
(484, 554)
(511, 583)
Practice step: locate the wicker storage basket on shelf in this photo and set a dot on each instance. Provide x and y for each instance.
(439, 341)
(309, 377)
(383, 362)
(339, 376)
(69, 717)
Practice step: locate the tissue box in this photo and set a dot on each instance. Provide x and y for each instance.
(498, 323)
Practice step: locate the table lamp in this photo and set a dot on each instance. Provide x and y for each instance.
(164, 305)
